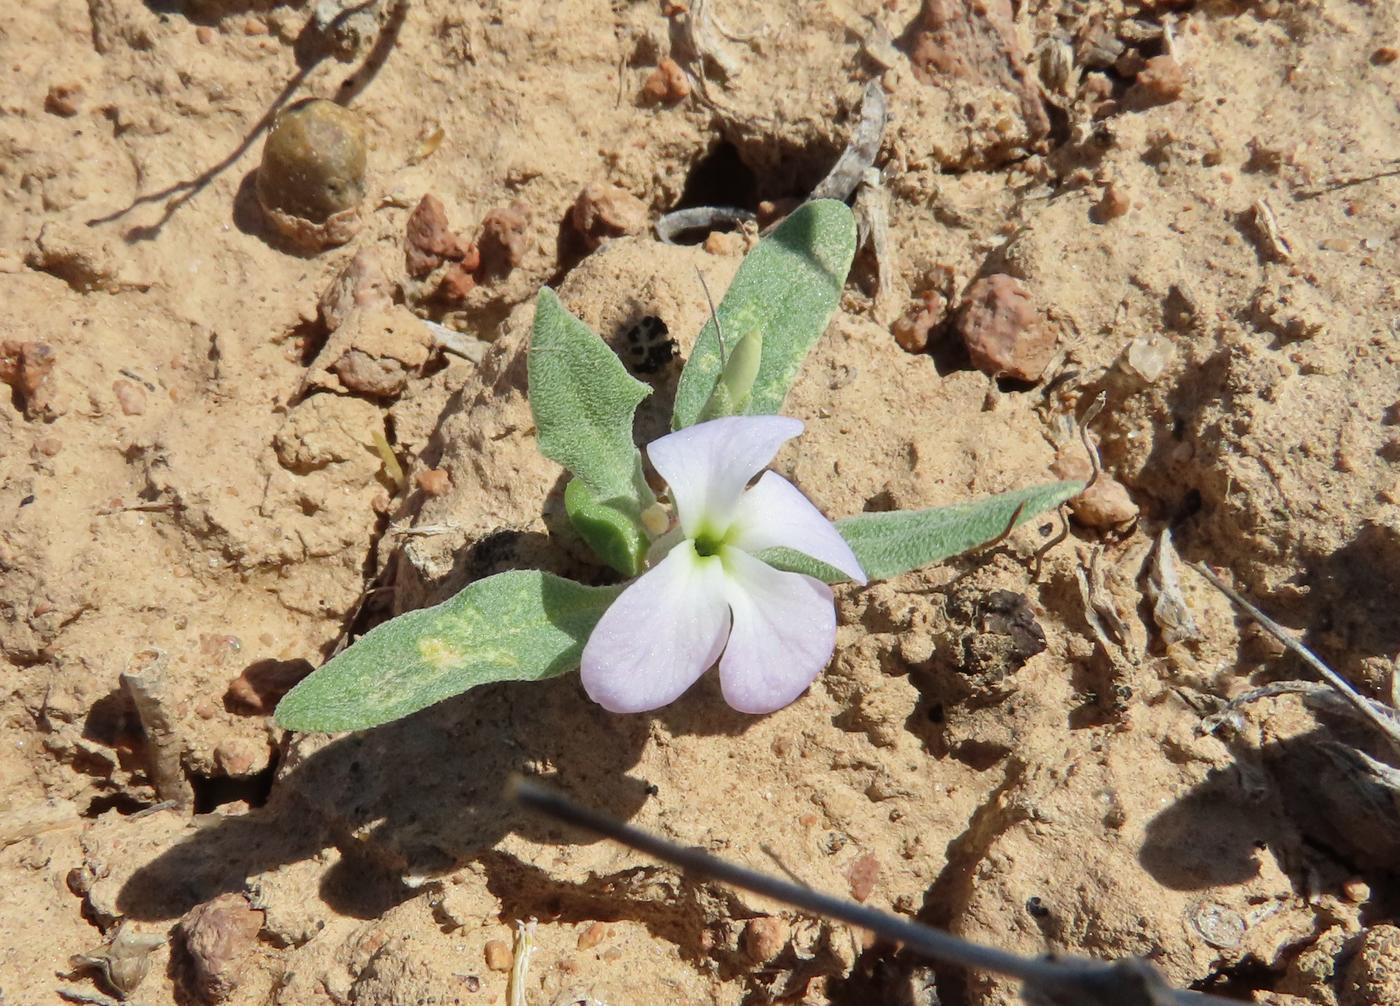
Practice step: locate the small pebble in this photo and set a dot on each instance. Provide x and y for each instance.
(504, 238)
(429, 240)
(218, 936)
(592, 936)
(254, 26)
(130, 398)
(764, 938)
(1357, 891)
(862, 876)
(434, 481)
(205, 35)
(667, 83)
(498, 955)
(231, 760)
(1113, 203)
(605, 211)
(48, 446)
(62, 99)
(912, 331)
(724, 243)
(1003, 331)
(1105, 504)
(457, 281)
(1161, 80)
(1385, 55)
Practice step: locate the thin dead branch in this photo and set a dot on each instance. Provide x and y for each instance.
(1377, 715)
(861, 151)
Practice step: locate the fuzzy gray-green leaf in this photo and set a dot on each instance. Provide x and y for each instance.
(787, 288)
(888, 544)
(583, 401)
(612, 528)
(516, 626)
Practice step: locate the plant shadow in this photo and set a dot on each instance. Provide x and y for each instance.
(1309, 799)
(410, 800)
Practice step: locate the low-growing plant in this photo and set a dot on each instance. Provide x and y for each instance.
(719, 571)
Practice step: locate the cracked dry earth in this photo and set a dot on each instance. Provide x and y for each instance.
(1195, 208)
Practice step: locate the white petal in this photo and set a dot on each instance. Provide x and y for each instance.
(659, 636)
(784, 632)
(707, 465)
(775, 514)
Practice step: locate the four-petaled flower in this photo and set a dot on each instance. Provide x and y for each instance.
(707, 593)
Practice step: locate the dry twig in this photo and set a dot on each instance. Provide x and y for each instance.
(1379, 716)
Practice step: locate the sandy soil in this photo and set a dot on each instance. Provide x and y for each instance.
(1200, 202)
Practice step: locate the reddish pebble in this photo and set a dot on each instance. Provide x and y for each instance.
(62, 99)
(504, 240)
(231, 760)
(606, 211)
(205, 35)
(1003, 332)
(667, 82)
(592, 936)
(913, 330)
(1161, 80)
(48, 446)
(1113, 203)
(1385, 55)
(262, 684)
(434, 481)
(862, 875)
(458, 280)
(430, 240)
(254, 26)
(218, 938)
(131, 398)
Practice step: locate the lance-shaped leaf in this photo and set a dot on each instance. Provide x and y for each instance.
(583, 401)
(516, 626)
(888, 544)
(787, 289)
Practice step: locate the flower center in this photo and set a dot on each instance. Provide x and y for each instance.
(708, 542)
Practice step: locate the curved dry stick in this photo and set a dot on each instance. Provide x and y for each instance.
(696, 217)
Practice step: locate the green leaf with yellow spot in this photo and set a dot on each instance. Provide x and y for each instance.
(786, 289)
(516, 626)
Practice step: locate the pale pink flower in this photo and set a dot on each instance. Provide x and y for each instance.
(707, 596)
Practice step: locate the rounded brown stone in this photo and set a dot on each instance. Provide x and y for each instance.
(313, 164)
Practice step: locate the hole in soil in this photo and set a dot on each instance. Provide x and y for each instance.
(253, 790)
(980, 755)
(122, 803)
(308, 337)
(720, 178)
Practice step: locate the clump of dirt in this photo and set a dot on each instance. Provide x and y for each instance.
(222, 457)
